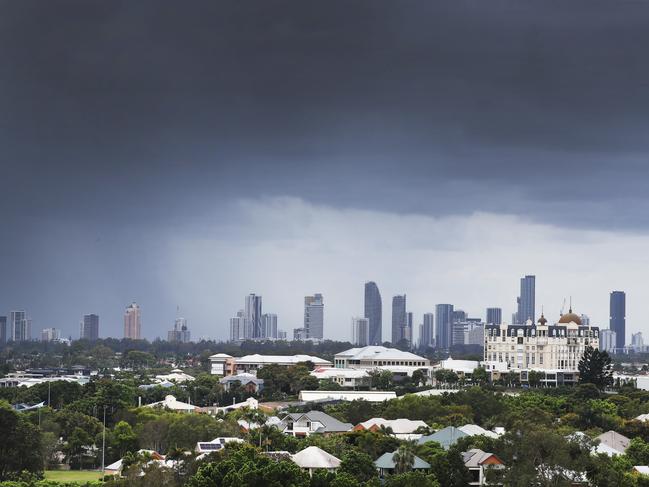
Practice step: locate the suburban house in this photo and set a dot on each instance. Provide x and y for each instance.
(479, 463)
(314, 458)
(612, 443)
(404, 429)
(248, 382)
(216, 444)
(305, 424)
(370, 396)
(445, 437)
(386, 464)
(224, 364)
(171, 403)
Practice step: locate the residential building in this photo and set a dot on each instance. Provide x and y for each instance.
(313, 458)
(299, 334)
(526, 300)
(637, 342)
(269, 324)
(474, 333)
(613, 443)
(314, 317)
(479, 463)
(617, 320)
(444, 320)
(3, 330)
(386, 464)
(248, 382)
(554, 349)
(20, 326)
(399, 318)
(360, 332)
(494, 316)
(446, 437)
(170, 402)
(374, 356)
(281, 335)
(403, 429)
(313, 422)
(607, 340)
(373, 312)
(252, 318)
(223, 364)
(89, 328)
(216, 444)
(426, 337)
(50, 335)
(180, 332)
(133, 322)
(349, 378)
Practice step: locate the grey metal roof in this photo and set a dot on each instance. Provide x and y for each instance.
(331, 424)
(386, 461)
(445, 437)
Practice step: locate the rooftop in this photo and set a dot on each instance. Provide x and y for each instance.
(314, 457)
(377, 352)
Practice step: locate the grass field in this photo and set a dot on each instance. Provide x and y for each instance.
(72, 475)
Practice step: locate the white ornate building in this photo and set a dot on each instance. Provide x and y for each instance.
(554, 350)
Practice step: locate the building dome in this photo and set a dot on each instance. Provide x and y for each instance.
(542, 321)
(570, 317)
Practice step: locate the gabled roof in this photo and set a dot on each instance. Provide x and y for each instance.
(314, 457)
(377, 352)
(445, 437)
(475, 458)
(386, 461)
(474, 430)
(398, 426)
(331, 424)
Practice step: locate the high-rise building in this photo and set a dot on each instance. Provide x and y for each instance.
(637, 342)
(459, 316)
(180, 332)
(299, 334)
(20, 326)
(444, 328)
(281, 335)
(373, 312)
(3, 330)
(360, 331)
(269, 323)
(526, 300)
(494, 316)
(89, 329)
(252, 325)
(50, 335)
(427, 331)
(607, 340)
(314, 316)
(237, 325)
(585, 320)
(399, 318)
(133, 322)
(617, 321)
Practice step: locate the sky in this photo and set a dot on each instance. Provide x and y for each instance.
(187, 154)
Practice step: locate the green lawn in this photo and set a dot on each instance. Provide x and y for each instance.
(72, 475)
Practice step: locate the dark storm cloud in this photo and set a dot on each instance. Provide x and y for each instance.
(124, 102)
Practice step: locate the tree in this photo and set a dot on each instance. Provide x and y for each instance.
(357, 464)
(20, 447)
(410, 479)
(480, 375)
(78, 442)
(404, 457)
(595, 368)
(123, 438)
(381, 379)
(419, 378)
(534, 378)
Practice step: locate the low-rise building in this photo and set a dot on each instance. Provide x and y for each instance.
(375, 356)
(306, 424)
(479, 463)
(223, 364)
(351, 378)
(313, 458)
(370, 396)
(216, 444)
(170, 402)
(386, 464)
(402, 428)
(249, 382)
(446, 437)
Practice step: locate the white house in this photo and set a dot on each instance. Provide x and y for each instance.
(314, 458)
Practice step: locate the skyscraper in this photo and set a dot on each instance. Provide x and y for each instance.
(50, 335)
(526, 300)
(3, 330)
(399, 318)
(617, 322)
(269, 322)
(314, 316)
(494, 316)
(237, 325)
(427, 330)
(252, 315)
(180, 332)
(133, 322)
(89, 327)
(373, 312)
(360, 331)
(607, 340)
(20, 326)
(444, 330)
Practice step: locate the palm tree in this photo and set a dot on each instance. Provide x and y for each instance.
(404, 457)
